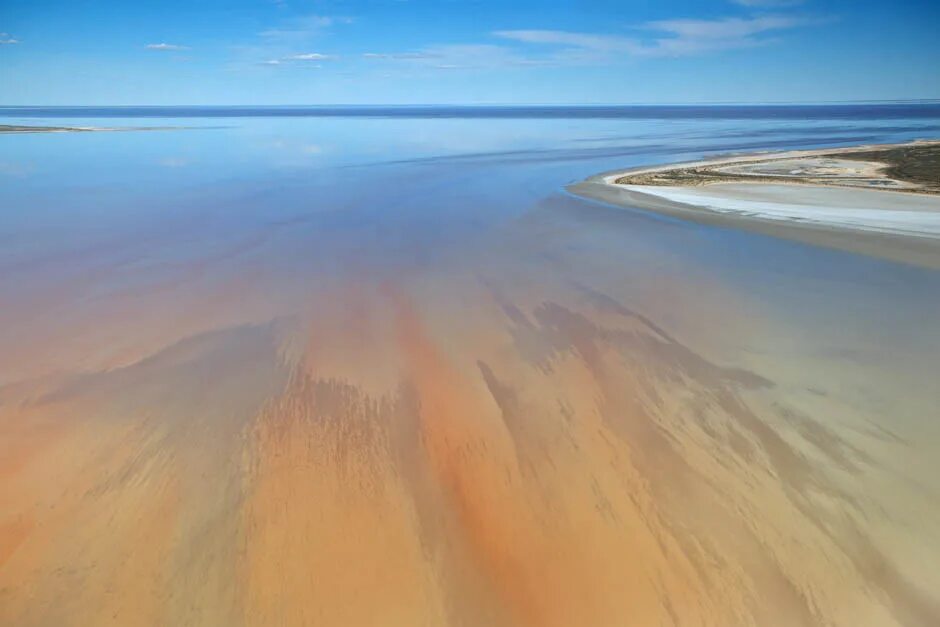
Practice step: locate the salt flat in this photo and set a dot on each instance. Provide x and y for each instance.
(916, 215)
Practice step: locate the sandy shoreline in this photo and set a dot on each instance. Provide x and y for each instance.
(790, 195)
(17, 128)
(14, 129)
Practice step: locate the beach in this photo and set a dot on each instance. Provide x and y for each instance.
(16, 128)
(13, 129)
(845, 198)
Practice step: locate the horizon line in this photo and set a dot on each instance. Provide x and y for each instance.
(490, 104)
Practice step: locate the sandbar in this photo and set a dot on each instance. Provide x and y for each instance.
(19, 128)
(882, 201)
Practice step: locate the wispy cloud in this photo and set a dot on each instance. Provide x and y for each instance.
(305, 59)
(663, 38)
(685, 37)
(8, 40)
(309, 56)
(537, 47)
(302, 28)
(729, 28)
(567, 38)
(166, 47)
(399, 56)
(278, 46)
(458, 57)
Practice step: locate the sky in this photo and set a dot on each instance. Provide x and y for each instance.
(273, 52)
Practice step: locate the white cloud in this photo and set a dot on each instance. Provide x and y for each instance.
(679, 37)
(567, 38)
(6, 39)
(166, 47)
(309, 56)
(689, 37)
(278, 45)
(728, 28)
(458, 57)
(304, 59)
(535, 47)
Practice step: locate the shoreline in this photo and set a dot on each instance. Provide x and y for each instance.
(900, 224)
(19, 129)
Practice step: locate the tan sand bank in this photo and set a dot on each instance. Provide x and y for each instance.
(880, 201)
(17, 128)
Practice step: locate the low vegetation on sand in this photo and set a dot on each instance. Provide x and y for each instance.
(915, 163)
(15, 128)
(915, 167)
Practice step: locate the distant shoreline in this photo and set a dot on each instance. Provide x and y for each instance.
(884, 110)
(881, 200)
(18, 128)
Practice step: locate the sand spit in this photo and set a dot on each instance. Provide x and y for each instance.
(14, 129)
(841, 198)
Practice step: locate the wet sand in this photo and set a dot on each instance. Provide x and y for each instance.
(454, 449)
(540, 427)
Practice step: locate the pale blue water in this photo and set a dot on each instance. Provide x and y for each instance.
(289, 195)
(309, 159)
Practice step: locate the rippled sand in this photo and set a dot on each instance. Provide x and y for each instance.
(512, 439)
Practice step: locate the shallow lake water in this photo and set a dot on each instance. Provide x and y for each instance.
(378, 367)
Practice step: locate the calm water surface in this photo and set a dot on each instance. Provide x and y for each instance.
(350, 367)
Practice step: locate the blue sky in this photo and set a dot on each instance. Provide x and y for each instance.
(466, 51)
